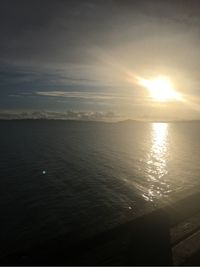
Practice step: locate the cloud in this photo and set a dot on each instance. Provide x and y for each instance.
(83, 95)
(68, 115)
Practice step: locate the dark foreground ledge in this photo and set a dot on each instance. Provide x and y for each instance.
(164, 237)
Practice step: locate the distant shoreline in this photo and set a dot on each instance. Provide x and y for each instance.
(99, 121)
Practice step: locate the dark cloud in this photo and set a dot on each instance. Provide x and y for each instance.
(60, 31)
(50, 30)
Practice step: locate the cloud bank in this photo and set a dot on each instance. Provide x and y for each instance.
(68, 115)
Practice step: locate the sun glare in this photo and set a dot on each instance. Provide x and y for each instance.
(160, 89)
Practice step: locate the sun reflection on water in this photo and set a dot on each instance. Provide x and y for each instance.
(159, 148)
(157, 162)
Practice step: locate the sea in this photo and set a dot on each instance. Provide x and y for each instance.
(78, 179)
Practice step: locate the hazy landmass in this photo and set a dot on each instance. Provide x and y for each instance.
(81, 116)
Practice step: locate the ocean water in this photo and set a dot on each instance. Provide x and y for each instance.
(81, 178)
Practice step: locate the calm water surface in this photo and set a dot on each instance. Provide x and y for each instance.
(62, 177)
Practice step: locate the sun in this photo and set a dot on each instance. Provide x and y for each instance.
(160, 89)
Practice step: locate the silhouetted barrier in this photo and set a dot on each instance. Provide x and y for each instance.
(143, 241)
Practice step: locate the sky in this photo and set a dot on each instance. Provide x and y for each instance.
(82, 58)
